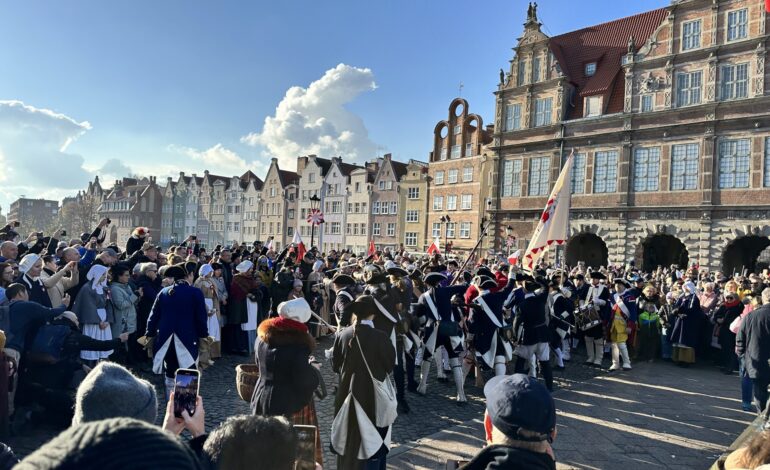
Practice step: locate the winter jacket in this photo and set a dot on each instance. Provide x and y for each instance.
(124, 302)
(286, 379)
(753, 343)
(242, 287)
(57, 284)
(500, 457)
(24, 317)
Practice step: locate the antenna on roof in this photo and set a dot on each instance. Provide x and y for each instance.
(461, 89)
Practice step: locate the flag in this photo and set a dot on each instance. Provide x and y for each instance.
(372, 249)
(299, 247)
(433, 248)
(553, 227)
(269, 244)
(513, 258)
(767, 6)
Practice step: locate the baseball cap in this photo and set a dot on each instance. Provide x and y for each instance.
(519, 401)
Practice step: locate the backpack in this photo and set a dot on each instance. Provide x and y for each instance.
(48, 344)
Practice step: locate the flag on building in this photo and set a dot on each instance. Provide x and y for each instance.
(372, 249)
(767, 6)
(299, 247)
(433, 248)
(553, 228)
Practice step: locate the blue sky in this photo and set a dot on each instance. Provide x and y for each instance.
(155, 87)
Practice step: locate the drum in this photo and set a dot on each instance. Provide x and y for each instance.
(586, 317)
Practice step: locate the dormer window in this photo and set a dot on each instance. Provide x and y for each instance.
(593, 106)
(590, 69)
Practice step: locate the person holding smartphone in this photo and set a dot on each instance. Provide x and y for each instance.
(177, 323)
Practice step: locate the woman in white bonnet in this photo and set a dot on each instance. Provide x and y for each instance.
(94, 312)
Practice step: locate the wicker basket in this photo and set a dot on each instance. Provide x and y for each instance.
(246, 376)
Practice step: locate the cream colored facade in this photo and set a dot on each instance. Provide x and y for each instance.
(413, 196)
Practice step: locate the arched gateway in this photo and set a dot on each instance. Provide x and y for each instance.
(661, 250)
(743, 253)
(588, 248)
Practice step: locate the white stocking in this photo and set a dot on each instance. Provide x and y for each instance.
(500, 368)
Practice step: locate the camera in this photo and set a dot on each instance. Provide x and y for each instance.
(63, 233)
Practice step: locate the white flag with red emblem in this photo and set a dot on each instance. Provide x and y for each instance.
(433, 248)
(513, 259)
(553, 228)
(299, 247)
(315, 217)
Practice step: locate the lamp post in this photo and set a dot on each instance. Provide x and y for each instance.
(445, 220)
(315, 202)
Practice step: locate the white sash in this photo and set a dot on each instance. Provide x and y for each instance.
(488, 311)
(622, 305)
(384, 311)
(344, 293)
(432, 306)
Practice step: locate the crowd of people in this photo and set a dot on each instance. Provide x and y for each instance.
(75, 311)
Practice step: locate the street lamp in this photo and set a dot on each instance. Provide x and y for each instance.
(315, 203)
(445, 220)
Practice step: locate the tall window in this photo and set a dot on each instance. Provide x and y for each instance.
(412, 216)
(456, 151)
(688, 88)
(734, 163)
(691, 35)
(538, 176)
(646, 169)
(467, 174)
(512, 117)
(465, 230)
(413, 193)
(391, 230)
(439, 179)
(438, 203)
(737, 24)
(646, 105)
(593, 106)
(521, 76)
(465, 201)
(684, 166)
(410, 239)
(436, 230)
(468, 149)
(451, 176)
(443, 153)
(767, 162)
(384, 208)
(511, 178)
(450, 229)
(393, 207)
(543, 111)
(734, 81)
(375, 208)
(451, 202)
(577, 182)
(458, 130)
(605, 172)
(536, 69)
(376, 228)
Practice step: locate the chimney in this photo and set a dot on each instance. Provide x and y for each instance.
(206, 172)
(168, 179)
(194, 175)
(387, 156)
(181, 174)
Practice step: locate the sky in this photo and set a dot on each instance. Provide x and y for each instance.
(145, 87)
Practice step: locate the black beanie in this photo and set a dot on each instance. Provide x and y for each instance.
(112, 444)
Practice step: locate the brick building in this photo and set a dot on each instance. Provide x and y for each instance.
(385, 203)
(413, 196)
(669, 119)
(132, 203)
(34, 215)
(459, 173)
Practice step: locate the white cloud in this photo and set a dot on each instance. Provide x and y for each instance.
(314, 120)
(33, 150)
(114, 168)
(219, 160)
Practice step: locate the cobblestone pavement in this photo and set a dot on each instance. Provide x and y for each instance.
(657, 416)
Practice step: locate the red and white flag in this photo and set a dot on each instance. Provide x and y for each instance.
(433, 248)
(299, 247)
(553, 228)
(513, 258)
(372, 249)
(767, 6)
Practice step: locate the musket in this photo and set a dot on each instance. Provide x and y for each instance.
(460, 271)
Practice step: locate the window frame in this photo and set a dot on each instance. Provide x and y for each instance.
(745, 25)
(576, 168)
(734, 84)
(466, 202)
(606, 154)
(745, 161)
(452, 176)
(691, 41)
(536, 173)
(467, 174)
(542, 117)
(511, 180)
(646, 160)
(438, 178)
(451, 202)
(688, 91)
(589, 69)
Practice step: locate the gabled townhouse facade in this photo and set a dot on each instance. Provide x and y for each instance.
(385, 203)
(277, 201)
(413, 196)
(335, 205)
(358, 217)
(311, 171)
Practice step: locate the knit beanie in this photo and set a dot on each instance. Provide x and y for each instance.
(111, 391)
(112, 444)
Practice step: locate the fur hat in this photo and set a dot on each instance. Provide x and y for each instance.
(297, 310)
(111, 391)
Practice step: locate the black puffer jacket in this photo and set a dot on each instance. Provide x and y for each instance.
(498, 457)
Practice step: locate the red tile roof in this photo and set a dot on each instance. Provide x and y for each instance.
(604, 44)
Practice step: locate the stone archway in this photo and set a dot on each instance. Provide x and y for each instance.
(743, 254)
(661, 250)
(588, 248)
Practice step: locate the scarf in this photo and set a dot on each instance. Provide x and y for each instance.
(732, 304)
(289, 324)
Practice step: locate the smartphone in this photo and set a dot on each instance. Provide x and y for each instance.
(186, 385)
(305, 447)
(193, 237)
(39, 234)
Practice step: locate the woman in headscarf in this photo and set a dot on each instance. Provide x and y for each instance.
(684, 335)
(94, 311)
(242, 308)
(206, 284)
(286, 378)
